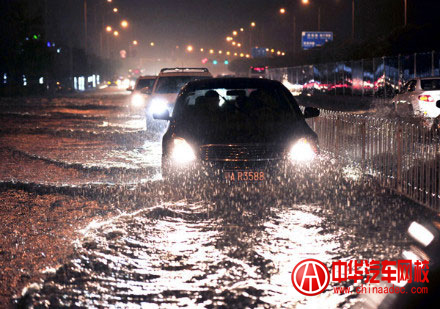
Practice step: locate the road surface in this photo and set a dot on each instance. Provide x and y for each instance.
(88, 221)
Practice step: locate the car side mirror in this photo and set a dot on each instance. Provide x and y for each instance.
(437, 104)
(146, 90)
(310, 112)
(165, 115)
(129, 89)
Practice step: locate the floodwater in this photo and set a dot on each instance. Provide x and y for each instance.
(205, 244)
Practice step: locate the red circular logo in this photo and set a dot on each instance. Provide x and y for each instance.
(310, 277)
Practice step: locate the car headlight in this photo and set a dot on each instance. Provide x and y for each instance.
(137, 100)
(158, 106)
(302, 151)
(182, 152)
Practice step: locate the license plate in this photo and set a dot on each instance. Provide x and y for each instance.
(245, 175)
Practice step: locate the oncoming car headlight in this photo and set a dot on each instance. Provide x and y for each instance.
(137, 100)
(158, 106)
(302, 151)
(182, 152)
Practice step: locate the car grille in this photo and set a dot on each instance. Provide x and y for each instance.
(241, 152)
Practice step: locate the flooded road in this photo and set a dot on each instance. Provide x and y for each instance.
(141, 241)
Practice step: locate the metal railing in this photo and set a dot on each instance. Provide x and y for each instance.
(402, 156)
(376, 77)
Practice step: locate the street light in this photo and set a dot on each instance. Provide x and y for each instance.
(282, 11)
(116, 33)
(189, 48)
(305, 1)
(108, 28)
(124, 24)
(234, 33)
(109, 1)
(152, 44)
(253, 24)
(201, 50)
(115, 10)
(135, 42)
(211, 51)
(241, 29)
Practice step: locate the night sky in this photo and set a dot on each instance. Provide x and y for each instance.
(206, 24)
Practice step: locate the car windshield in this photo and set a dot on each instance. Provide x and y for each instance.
(248, 102)
(142, 83)
(172, 84)
(254, 114)
(430, 84)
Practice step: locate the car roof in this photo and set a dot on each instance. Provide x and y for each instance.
(184, 72)
(147, 77)
(231, 82)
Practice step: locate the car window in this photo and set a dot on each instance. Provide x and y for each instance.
(404, 88)
(172, 84)
(247, 101)
(430, 84)
(142, 83)
(412, 86)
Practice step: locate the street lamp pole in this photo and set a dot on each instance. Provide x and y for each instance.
(319, 18)
(85, 26)
(294, 33)
(406, 11)
(352, 19)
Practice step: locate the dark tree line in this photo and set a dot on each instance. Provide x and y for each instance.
(24, 51)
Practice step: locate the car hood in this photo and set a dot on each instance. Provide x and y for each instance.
(244, 132)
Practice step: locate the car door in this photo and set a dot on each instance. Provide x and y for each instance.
(403, 100)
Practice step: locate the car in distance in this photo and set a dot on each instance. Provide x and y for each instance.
(168, 84)
(240, 129)
(418, 97)
(140, 92)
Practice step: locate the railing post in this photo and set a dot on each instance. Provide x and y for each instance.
(337, 136)
(384, 78)
(364, 143)
(399, 144)
(415, 65)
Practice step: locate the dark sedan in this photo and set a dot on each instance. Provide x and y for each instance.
(237, 129)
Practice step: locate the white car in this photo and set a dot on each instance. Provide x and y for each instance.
(167, 86)
(140, 93)
(419, 97)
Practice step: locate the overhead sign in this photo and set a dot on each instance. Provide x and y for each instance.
(258, 52)
(311, 39)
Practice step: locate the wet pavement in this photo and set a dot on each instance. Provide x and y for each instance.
(83, 175)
